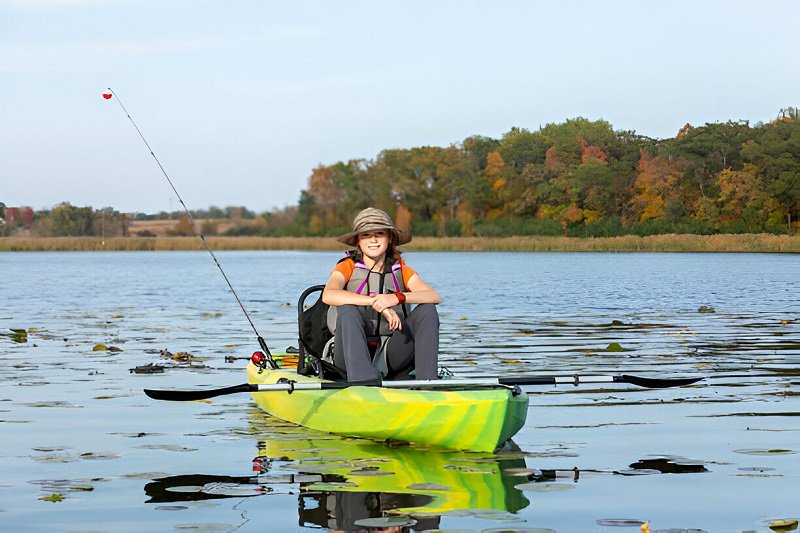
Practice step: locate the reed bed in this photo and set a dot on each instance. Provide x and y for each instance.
(629, 243)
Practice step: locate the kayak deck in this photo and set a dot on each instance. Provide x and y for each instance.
(462, 419)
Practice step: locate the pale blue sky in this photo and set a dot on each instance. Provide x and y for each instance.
(240, 100)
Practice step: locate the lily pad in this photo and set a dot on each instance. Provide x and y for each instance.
(427, 486)
(370, 472)
(50, 448)
(615, 347)
(783, 525)
(98, 455)
(772, 451)
(231, 489)
(332, 486)
(638, 472)
(386, 521)
(620, 522)
(497, 516)
(189, 489)
(168, 447)
(543, 487)
(19, 335)
(55, 498)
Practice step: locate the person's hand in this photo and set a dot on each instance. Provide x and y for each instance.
(382, 301)
(392, 318)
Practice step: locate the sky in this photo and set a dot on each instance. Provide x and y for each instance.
(240, 100)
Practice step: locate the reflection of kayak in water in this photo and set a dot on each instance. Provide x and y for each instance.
(474, 419)
(422, 480)
(344, 480)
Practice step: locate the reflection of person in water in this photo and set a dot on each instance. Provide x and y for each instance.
(339, 511)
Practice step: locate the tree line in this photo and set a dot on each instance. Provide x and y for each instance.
(577, 178)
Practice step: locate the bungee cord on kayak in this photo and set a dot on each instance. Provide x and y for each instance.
(261, 342)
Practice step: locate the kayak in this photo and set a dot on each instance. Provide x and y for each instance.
(472, 419)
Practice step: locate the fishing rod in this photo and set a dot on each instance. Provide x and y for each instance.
(261, 342)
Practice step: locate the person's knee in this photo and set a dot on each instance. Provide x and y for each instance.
(427, 313)
(347, 313)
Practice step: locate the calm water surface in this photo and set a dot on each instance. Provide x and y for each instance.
(84, 450)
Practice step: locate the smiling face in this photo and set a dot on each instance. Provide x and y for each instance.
(373, 244)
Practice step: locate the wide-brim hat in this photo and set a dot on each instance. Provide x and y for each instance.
(372, 219)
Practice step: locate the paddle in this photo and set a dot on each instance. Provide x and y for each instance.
(291, 386)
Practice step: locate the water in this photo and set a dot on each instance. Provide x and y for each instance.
(84, 450)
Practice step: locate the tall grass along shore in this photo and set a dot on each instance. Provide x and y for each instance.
(761, 242)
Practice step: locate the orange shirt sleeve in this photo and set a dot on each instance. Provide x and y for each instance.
(345, 268)
(408, 273)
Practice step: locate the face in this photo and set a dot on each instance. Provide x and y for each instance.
(373, 244)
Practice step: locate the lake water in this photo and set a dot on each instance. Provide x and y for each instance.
(84, 450)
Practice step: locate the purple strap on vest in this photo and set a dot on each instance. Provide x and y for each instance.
(395, 267)
(366, 280)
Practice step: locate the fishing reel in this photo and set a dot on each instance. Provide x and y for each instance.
(259, 360)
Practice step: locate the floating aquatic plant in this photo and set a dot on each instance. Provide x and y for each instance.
(543, 487)
(386, 521)
(55, 498)
(789, 524)
(19, 335)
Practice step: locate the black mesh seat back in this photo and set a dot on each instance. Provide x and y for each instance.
(313, 337)
(313, 323)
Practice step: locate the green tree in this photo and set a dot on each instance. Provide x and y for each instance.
(477, 147)
(67, 220)
(707, 150)
(776, 154)
(520, 147)
(744, 201)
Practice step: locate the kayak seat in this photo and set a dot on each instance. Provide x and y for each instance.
(315, 340)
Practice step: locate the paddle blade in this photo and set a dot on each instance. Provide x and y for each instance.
(655, 383)
(192, 395)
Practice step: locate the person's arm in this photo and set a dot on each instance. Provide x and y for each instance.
(421, 292)
(335, 293)
(418, 292)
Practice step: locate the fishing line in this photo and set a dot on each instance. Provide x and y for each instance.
(261, 342)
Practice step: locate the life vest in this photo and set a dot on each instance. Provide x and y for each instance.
(368, 282)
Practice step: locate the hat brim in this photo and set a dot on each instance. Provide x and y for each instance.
(351, 239)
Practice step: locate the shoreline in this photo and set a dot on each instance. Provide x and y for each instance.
(753, 243)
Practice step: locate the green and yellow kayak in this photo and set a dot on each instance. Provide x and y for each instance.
(474, 419)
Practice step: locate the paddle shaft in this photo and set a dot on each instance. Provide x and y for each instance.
(291, 386)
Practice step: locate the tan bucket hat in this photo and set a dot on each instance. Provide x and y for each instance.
(371, 219)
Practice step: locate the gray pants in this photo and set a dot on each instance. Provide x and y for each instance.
(420, 333)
